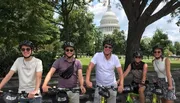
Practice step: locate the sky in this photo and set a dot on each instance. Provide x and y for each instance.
(171, 28)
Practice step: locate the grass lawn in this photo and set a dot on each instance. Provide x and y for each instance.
(175, 63)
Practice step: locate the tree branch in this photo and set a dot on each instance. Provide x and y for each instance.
(151, 8)
(127, 7)
(168, 8)
(136, 8)
(143, 5)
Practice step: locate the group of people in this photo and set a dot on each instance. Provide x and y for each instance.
(29, 69)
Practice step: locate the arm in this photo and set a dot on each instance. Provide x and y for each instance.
(145, 68)
(7, 78)
(81, 80)
(88, 74)
(168, 73)
(47, 79)
(38, 80)
(127, 71)
(121, 79)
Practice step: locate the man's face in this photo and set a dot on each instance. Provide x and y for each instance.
(26, 51)
(69, 51)
(107, 49)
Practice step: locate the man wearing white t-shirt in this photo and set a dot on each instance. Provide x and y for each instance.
(29, 71)
(105, 62)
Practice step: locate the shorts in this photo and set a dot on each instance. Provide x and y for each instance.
(167, 94)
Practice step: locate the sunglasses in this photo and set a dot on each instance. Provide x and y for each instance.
(137, 57)
(157, 52)
(71, 50)
(110, 47)
(25, 49)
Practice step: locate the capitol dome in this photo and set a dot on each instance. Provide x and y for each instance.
(109, 22)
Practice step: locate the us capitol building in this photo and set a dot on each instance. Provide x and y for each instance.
(109, 22)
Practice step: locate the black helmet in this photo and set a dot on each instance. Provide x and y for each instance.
(68, 44)
(157, 47)
(26, 43)
(138, 54)
(108, 41)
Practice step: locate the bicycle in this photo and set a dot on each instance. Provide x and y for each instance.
(152, 93)
(13, 97)
(131, 94)
(104, 92)
(60, 94)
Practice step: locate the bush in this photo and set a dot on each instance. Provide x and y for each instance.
(47, 59)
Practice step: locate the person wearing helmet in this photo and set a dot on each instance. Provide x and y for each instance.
(105, 62)
(162, 67)
(70, 73)
(139, 70)
(29, 69)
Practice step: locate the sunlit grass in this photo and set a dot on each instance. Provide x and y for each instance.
(175, 63)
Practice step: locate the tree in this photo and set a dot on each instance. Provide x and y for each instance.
(64, 9)
(160, 38)
(23, 20)
(120, 42)
(177, 46)
(140, 14)
(145, 46)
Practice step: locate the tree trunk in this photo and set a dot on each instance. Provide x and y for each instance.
(135, 32)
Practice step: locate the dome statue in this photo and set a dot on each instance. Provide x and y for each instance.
(109, 22)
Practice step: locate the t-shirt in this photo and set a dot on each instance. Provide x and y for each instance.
(105, 74)
(27, 72)
(61, 65)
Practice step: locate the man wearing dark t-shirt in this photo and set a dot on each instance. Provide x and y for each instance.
(70, 73)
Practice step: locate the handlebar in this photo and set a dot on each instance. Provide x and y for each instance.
(57, 90)
(13, 97)
(153, 88)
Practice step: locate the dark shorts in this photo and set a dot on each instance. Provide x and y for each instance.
(167, 94)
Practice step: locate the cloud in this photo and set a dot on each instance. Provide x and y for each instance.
(171, 29)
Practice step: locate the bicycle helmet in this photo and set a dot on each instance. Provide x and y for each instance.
(137, 54)
(157, 47)
(108, 41)
(68, 44)
(26, 43)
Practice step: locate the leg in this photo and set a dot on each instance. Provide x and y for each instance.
(96, 96)
(73, 97)
(141, 94)
(112, 98)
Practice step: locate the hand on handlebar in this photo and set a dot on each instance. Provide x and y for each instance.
(170, 88)
(120, 88)
(45, 88)
(89, 84)
(32, 94)
(83, 90)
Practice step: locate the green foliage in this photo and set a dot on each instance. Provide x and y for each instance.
(177, 47)
(118, 38)
(7, 59)
(47, 59)
(24, 20)
(160, 38)
(145, 46)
